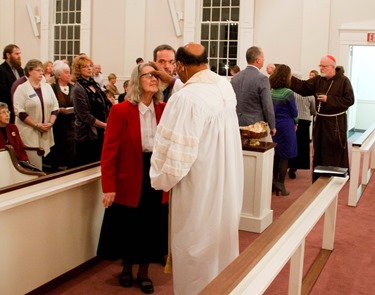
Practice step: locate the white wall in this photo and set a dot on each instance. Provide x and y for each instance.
(296, 32)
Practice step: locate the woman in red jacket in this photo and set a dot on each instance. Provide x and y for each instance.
(133, 221)
(9, 134)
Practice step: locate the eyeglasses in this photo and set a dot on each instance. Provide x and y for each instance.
(87, 66)
(148, 76)
(5, 112)
(324, 66)
(38, 70)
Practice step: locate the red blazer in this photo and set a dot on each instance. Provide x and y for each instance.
(121, 161)
(15, 141)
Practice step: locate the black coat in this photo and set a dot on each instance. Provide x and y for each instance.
(7, 78)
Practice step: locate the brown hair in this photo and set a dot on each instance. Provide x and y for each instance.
(280, 78)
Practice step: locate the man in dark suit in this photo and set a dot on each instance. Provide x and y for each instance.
(253, 92)
(10, 71)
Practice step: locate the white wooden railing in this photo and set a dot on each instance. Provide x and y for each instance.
(48, 227)
(257, 266)
(363, 152)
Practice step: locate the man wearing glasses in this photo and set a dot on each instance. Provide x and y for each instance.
(333, 96)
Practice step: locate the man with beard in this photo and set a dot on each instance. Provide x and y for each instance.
(10, 71)
(333, 96)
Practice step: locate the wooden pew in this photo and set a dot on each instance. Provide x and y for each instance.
(35, 155)
(284, 240)
(12, 171)
(363, 153)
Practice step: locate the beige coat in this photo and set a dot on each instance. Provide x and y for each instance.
(26, 100)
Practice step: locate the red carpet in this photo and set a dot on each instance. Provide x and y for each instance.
(349, 270)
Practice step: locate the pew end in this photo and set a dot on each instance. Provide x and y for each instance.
(15, 173)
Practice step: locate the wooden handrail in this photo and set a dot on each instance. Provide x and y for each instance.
(47, 177)
(40, 151)
(231, 276)
(17, 166)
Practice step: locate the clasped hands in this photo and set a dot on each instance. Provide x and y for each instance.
(43, 127)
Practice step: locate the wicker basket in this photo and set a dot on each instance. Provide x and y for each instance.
(251, 137)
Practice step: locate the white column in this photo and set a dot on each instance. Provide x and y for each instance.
(45, 25)
(86, 11)
(245, 31)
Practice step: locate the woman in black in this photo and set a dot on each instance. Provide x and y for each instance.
(62, 154)
(91, 108)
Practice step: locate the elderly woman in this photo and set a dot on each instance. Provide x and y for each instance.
(9, 134)
(62, 154)
(91, 108)
(36, 108)
(132, 227)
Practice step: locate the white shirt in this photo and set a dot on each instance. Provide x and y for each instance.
(198, 154)
(148, 125)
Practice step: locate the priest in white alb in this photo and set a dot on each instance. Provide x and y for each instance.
(198, 156)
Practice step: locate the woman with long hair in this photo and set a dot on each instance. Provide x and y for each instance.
(286, 116)
(133, 225)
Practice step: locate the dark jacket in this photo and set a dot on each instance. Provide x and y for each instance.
(7, 78)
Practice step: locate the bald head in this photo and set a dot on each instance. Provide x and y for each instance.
(191, 58)
(192, 54)
(195, 49)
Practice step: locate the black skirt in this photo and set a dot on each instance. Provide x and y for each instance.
(136, 235)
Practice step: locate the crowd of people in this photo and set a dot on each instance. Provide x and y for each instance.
(290, 108)
(172, 143)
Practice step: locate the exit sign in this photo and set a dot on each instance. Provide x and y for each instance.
(371, 37)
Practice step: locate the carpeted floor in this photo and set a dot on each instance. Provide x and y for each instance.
(349, 270)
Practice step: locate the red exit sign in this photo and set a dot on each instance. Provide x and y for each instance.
(371, 37)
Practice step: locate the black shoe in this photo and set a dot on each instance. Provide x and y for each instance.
(292, 173)
(126, 279)
(146, 285)
(280, 188)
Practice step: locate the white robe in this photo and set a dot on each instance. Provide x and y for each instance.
(198, 153)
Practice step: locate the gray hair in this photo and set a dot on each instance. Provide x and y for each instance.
(252, 54)
(136, 91)
(58, 67)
